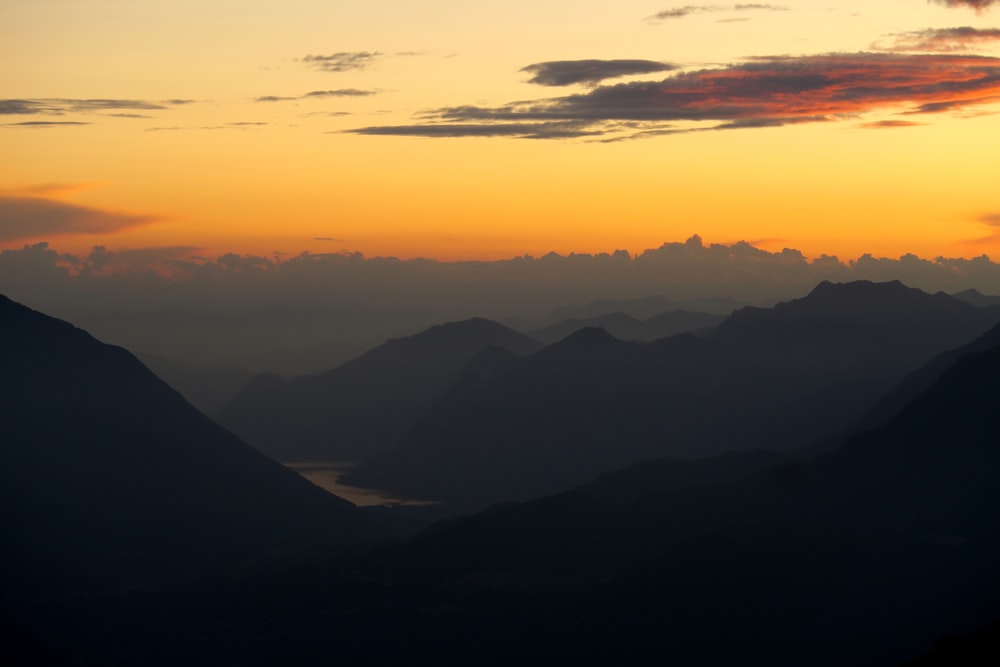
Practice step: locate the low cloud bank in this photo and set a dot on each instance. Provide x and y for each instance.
(312, 311)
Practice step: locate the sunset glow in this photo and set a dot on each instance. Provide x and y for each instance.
(452, 131)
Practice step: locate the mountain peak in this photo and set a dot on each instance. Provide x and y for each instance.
(590, 336)
(857, 287)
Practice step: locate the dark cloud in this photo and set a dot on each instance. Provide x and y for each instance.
(341, 61)
(978, 5)
(762, 92)
(327, 238)
(60, 106)
(568, 72)
(687, 10)
(31, 217)
(45, 123)
(939, 40)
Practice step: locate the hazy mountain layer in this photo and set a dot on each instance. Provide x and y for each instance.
(365, 405)
(515, 428)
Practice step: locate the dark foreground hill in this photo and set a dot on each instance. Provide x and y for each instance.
(515, 428)
(111, 480)
(365, 405)
(861, 557)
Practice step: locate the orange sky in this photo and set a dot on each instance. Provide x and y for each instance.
(413, 129)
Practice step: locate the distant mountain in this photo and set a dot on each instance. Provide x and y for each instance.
(627, 327)
(364, 405)
(208, 389)
(645, 307)
(765, 378)
(977, 298)
(109, 478)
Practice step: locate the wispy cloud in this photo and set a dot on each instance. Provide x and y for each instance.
(568, 72)
(687, 10)
(939, 40)
(238, 125)
(889, 124)
(318, 94)
(992, 221)
(342, 61)
(531, 130)
(61, 106)
(762, 92)
(24, 217)
(45, 123)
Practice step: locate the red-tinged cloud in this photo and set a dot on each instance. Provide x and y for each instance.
(762, 92)
(939, 40)
(978, 5)
(25, 217)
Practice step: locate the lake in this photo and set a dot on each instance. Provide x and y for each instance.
(326, 475)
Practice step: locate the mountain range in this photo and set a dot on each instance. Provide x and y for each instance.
(138, 531)
(625, 327)
(513, 428)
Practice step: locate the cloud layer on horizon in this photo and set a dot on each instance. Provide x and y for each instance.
(314, 310)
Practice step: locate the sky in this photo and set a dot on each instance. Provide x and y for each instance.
(457, 130)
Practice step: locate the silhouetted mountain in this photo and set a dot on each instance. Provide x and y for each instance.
(110, 478)
(770, 378)
(627, 327)
(366, 404)
(977, 298)
(208, 389)
(861, 557)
